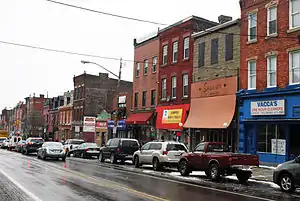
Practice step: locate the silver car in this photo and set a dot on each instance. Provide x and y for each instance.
(51, 150)
(159, 154)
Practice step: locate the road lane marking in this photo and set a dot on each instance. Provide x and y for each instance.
(25, 190)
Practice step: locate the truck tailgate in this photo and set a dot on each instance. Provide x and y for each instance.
(244, 159)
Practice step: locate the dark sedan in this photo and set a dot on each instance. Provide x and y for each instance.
(86, 150)
(51, 150)
(32, 144)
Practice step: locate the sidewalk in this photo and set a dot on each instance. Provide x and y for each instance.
(264, 173)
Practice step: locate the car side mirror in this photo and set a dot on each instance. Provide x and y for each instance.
(297, 159)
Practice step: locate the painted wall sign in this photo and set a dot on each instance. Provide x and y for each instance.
(172, 116)
(269, 107)
(278, 146)
(101, 124)
(89, 124)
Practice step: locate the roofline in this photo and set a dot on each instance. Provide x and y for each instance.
(146, 41)
(192, 17)
(216, 28)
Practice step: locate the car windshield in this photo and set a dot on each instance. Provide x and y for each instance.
(76, 142)
(176, 147)
(218, 148)
(53, 144)
(129, 143)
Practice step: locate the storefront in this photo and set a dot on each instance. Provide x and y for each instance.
(120, 131)
(270, 124)
(212, 112)
(102, 128)
(140, 126)
(170, 120)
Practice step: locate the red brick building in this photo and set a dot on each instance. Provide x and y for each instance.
(175, 72)
(66, 117)
(269, 79)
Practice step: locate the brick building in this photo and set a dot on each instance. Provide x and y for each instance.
(92, 94)
(145, 87)
(213, 100)
(54, 117)
(175, 73)
(270, 78)
(48, 104)
(66, 117)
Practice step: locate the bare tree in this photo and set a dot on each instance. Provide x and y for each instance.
(35, 123)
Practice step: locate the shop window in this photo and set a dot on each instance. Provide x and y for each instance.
(144, 98)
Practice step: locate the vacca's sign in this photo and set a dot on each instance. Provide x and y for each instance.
(270, 107)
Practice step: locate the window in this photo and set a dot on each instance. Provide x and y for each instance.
(201, 54)
(165, 55)
(174, 84)
(228, 47)
(144, 98)
(146, 146)
(272, 20)
(252, 19)
(251, 74)
(136, 96)
(137, 71)
(176, 147)
(146, 67)
(175, 52)
(154, 64)
(294, 63)
(269, 135)
(271, 66)
(294, 13)
(185, 85)
(155, 146)
(214, 51)
(129, 143)
(153, 97)
(186, 48)
(200, 147)
(164, 88)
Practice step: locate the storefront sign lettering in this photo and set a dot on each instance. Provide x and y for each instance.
(172, 116)
(270, 107)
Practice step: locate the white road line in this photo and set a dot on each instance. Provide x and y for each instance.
(26, 191)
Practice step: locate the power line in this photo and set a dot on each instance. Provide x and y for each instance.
(106, 13)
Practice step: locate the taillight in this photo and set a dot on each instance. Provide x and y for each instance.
(118, 150)
(165, 152)
(87, 149)
(230, 159)
(21, 145)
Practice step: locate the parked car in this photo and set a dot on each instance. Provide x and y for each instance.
(5, 144)
(119, 149)
(2, 139)
(159, 154)
(287, 175)
(51, 150)
(216, 160)
(72, 144)
(86, 150)
(20, 145)
(13, 141)
(32, 144)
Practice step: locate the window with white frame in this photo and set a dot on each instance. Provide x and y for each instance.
(252, 74)
(175, 52)
(164, 88)
(252, 20)
(272, 20)
(271, 66)
(165, 55)
(137, 70)
(174, 86)
(294, 13)
(146, 67)
(186, 48)
(294, 63)
(154, 64)
(185, 83)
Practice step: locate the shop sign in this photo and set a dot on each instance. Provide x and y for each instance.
(122, 99)
(89, 124)
(101, 124)
(173, 116)
(77, 129)
(270, 107)
(278, 146)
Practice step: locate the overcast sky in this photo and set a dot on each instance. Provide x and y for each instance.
(26, 71)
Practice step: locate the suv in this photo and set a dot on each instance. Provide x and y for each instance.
(119, 149)
(71, 144)
(159, 154)
(32, 144)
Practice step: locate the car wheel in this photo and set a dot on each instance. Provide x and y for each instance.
(112, 158)
(101, 157)
(207, 173)
(43, 156)
(214, 172)
(183, 168)
(136, 162)
(82, 155)
(156, 164)
(38, 156)
(287, 183)
(243, 177)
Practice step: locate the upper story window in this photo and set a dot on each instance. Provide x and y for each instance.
(175, 52)
(214, 51)
(185, 85)
(271, 68)
(154, 64)
(136, 97)
(165, 55)
(228, 47)
(146, 67)
(153, 97)
(252, 20)
(252, 74)
(164, 88)
(294, 13)
(174, 86)
(294, 67)
(201, 54)
(137, 70)
(144, 97)
(272, 20)
(186, 48)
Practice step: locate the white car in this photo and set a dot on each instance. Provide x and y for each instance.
(72, 144)
(159, 154)
(13, 142)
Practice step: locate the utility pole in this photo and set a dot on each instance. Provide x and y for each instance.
(117, 99)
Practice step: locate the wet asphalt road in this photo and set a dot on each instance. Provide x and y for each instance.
(27, 178)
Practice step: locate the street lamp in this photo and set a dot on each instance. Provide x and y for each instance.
(118, 86)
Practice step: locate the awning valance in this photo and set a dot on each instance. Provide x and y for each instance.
(141, 118)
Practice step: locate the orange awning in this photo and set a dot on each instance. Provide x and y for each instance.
(211, 112)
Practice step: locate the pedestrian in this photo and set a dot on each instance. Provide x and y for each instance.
(163, 138)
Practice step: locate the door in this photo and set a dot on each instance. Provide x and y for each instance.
(105, 150)
(197, 156)
(250, 139)
(144, 152)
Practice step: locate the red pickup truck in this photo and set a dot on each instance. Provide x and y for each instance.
(216, 160)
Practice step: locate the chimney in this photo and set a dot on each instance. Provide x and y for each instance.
(223, 18)
(134, 42)
(42, 96)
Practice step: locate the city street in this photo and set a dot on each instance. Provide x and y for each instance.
(27, 178)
